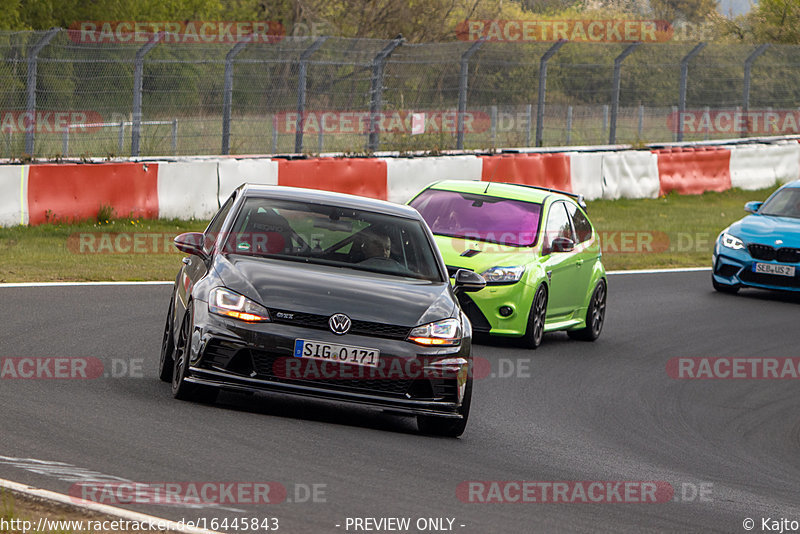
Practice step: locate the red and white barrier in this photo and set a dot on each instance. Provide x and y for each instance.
(758, 166)
(405, 177)
(234, 172)
(630, 174)
(188, 189)
(195, 187)
(13, 195)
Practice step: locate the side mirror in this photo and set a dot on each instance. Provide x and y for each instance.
(752, 207)
(562, 244)
(191, 243)
(468, 281)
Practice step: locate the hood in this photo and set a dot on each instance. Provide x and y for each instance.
(325, 290)
(481, 255)
(765, 229)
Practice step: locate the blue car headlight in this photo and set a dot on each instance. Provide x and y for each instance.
(731, 241)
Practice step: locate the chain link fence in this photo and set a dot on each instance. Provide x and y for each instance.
(153, 96)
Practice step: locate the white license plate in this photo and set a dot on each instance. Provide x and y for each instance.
(771, 268)
(333, 352)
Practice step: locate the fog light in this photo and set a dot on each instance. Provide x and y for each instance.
(505, 311)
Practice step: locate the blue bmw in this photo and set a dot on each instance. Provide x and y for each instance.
(763, 249)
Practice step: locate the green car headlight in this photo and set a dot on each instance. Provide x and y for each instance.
(503, 275)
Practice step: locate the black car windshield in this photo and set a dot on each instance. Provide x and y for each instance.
(784, 203)
(485, 218)
(331, 235)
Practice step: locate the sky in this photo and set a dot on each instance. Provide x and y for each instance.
(734, 7)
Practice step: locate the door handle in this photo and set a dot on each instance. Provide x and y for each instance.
(579, 263)
(186, 260)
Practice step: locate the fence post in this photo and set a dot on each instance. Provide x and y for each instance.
(138, 68)
(612, 132)
(493, 115)
(463, 79)
(641, 121)
(301, 92)
(569, 125)
(121, 136)
(528, 122)
(543, 87)
(684, 75)
(33, 58)
(174, 137)
(748, 63)
(65, 142)
(675, 112)
(376, 91)
(227, 93)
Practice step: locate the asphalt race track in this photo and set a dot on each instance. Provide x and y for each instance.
(570, 411)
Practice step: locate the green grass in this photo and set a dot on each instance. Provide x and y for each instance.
(680, 230)
(672, 231)
(54, 252)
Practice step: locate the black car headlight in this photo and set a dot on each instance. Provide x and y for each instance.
(441, 333)
(223, 301)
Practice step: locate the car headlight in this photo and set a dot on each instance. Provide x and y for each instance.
(228, 303)
(503, 275)
(730, 241)
(446, 332)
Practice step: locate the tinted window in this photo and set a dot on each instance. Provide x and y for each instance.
(212, 232)
(485, 218)
(583, 228)
(330, 235)
(784, 203)
(558, 224)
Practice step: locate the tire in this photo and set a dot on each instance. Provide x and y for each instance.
(724, 288)
(180, 388)
(166, 362)
(595, 315)
(446, 427)
(534, 333)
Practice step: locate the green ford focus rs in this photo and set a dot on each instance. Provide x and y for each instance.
(536, 248)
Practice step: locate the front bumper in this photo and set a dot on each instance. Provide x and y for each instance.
(412, 379)
(483, 308)
(735, 268)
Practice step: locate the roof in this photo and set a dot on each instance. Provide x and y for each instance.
(330, 198)
(501, 190)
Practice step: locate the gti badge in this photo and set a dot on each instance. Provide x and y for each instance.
(339, 323)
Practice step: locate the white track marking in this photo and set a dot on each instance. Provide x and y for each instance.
(99, 508)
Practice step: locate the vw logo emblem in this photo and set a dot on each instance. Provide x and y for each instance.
(339, 323)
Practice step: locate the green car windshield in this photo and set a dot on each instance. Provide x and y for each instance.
(484, 218)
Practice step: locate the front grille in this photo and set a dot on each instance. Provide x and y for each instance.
(761, 252)
(273, 368)
(770, 279)
(788, 255)
(320, 322)
(768, 253)
(474, 314)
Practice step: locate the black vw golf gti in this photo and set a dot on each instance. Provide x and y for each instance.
(324, 295)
